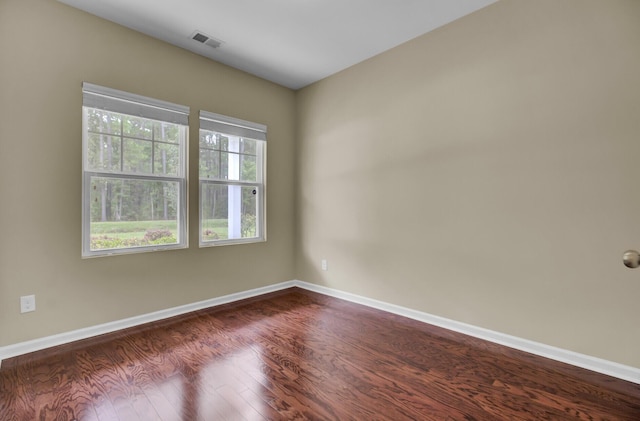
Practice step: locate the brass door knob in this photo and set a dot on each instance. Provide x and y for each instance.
(631, 259)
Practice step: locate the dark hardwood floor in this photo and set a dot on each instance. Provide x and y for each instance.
(296, 355)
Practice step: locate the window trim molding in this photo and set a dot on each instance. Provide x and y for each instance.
(209, 121)
(121, 102)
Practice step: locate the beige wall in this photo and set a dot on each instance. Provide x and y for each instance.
(47, 50)
(486, 172)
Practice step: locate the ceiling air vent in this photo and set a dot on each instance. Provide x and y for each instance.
(206, 39)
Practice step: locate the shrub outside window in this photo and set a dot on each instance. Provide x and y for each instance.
(134, 173)
(232, 180)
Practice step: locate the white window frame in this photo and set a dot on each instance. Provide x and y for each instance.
(112, 100)
(243, 129)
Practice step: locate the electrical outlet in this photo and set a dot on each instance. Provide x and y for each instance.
(324, 264)
(27, 303)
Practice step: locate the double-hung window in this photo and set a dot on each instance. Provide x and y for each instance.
(232, 180)
(134, 188)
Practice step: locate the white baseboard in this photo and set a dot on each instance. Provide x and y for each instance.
(88, 332)
(598, 365)
(588, 362)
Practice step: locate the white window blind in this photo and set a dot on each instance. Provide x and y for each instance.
(232, 126)
(95, 96)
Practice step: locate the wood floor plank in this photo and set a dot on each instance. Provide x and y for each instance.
(16, 401)
(92, 368)
(297, 355)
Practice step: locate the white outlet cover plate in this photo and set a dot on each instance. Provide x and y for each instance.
(27, 303)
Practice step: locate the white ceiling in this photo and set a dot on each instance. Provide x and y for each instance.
(289, 42)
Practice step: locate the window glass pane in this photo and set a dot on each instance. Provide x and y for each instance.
(214, 202)
(137, 156)
(248, 167)
(227, 164)
(228, 212)
(103, 152)
(223, 142)
(166, 132)
(249, 211)
(100, 121)
(209, 164)
(214, 140)
(248, 146)
(228, 171)
(167, 159)
(209, 140)
(132, 213)
(138, 127)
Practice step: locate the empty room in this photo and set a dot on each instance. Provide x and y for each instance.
(319, 210)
